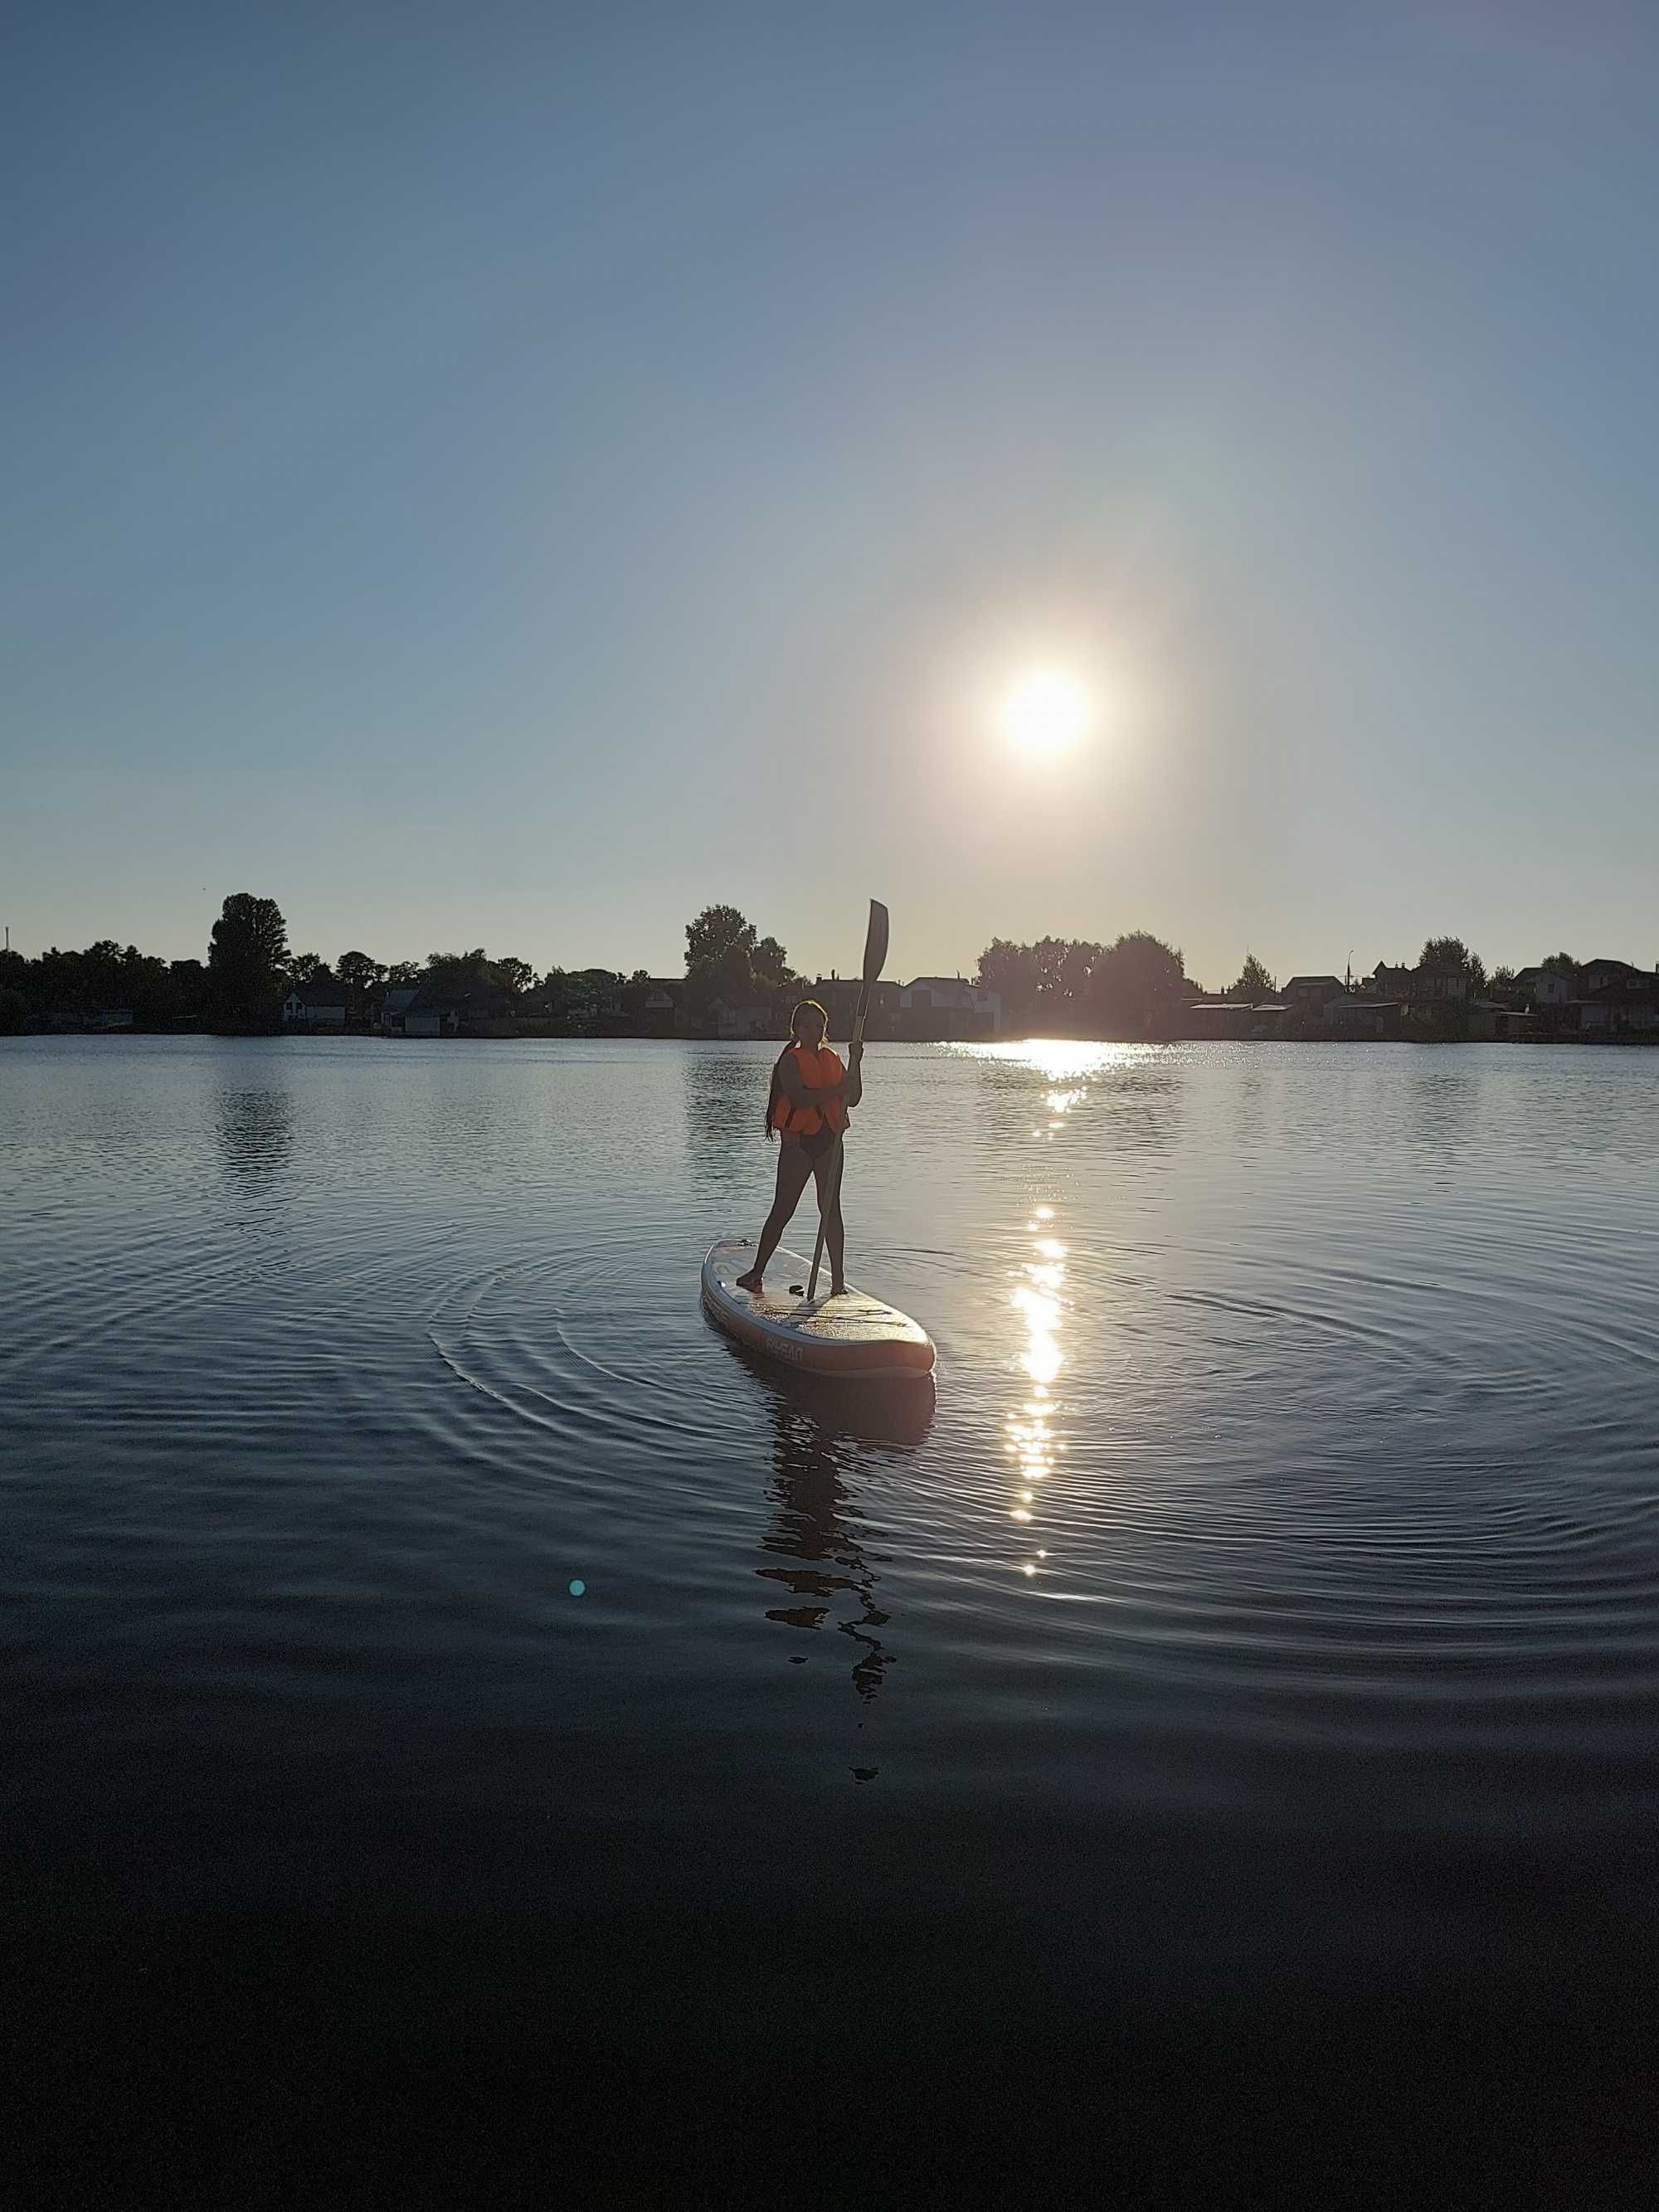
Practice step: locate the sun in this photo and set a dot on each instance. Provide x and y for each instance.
(1047, 711)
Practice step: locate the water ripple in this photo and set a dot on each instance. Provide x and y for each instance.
(1288, 1404)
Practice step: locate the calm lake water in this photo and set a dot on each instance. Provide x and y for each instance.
(1266, 1611)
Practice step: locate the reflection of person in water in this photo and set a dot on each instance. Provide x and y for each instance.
(814, 1531)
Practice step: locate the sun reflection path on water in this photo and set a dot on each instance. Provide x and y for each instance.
(1066, 1071)
(1039, 1299)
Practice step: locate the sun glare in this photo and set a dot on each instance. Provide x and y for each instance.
(1047, 711)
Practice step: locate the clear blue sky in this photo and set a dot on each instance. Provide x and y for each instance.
(511, 474)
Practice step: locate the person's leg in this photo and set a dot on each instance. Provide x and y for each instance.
(794, 1168)
(828, 1171)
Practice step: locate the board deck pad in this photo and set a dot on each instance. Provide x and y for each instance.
(852, 1335)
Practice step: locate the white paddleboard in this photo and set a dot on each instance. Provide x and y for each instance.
(851, 1335)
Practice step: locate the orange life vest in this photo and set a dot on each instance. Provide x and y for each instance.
(819, 1070)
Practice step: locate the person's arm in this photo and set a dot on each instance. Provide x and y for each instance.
(808, 1094)
(851, 1087)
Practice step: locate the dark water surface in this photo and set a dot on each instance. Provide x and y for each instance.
(1263, 1623)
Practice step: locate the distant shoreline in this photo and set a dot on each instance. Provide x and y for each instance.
(537, 1034)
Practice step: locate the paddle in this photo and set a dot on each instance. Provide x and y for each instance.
(875, 959)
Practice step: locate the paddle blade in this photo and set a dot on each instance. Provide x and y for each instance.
(875, 943)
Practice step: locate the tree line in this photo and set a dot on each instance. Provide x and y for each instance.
(1449, 954)
(250, 971)
(1133, 987)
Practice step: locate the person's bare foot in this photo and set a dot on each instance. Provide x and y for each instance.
(751, 1281)
(838, 1290)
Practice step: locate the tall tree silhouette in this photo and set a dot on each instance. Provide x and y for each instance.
(247, 960)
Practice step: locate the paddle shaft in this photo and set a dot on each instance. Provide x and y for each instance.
(833, 1197)
(875, 959)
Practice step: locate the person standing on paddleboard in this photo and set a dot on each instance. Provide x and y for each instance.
(807, 1108)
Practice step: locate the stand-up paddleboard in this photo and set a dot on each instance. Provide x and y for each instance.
(851, 1335)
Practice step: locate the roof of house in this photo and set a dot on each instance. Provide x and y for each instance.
(1295, 980)
(946, 983)
(400, 1000)
(324, 990)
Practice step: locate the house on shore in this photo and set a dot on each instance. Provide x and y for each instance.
(1352, 1015)
(1215, 1018)
(1596, 976)
(1601, 1001)
(654, 1007)
(839, 997)
(1624, 1012)
(414, 1010)
(741, 1021)
(318, 1005)
(433, 1015)
(1235, 1018)
(1215, 1015)
(1546, 988)
(1422, 985)
(1311, 994)
(947, 1008)
(1491, 1022)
